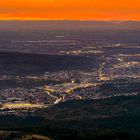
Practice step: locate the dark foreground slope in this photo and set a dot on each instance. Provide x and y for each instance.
(113, 119)
(17, 135)
(93, 109)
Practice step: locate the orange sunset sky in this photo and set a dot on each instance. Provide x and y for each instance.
(70, 9)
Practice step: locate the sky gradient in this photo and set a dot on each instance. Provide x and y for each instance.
(70, 9)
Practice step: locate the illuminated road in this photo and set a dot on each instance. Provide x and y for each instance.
(65, 89)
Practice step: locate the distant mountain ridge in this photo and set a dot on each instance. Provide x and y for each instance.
(68, 25)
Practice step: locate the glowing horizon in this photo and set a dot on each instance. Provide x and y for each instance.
(69, 10)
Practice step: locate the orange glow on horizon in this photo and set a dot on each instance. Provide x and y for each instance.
(70, 9)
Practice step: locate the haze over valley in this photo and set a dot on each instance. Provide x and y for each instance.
(49, 68)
